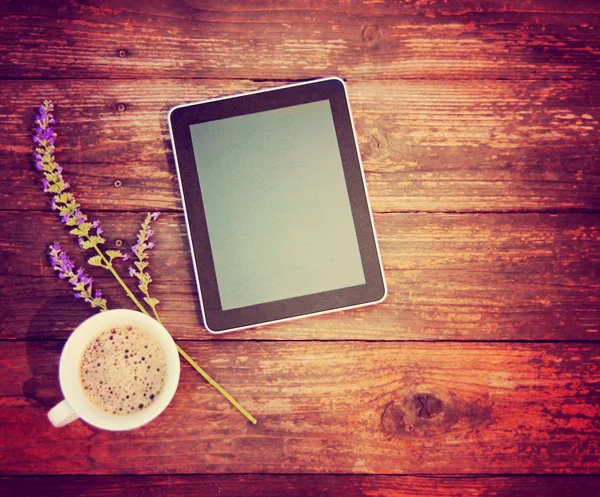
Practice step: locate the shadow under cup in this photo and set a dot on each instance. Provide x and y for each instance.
(77, 404)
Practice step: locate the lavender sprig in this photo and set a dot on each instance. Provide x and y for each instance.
(63, 201)
(79, 280)
(140, 250)
(88, 233)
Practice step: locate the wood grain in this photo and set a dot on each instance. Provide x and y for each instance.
(450, 276)
(478, 127)
(464, 39)
(299, 486)
(347, 407)
(426, 145)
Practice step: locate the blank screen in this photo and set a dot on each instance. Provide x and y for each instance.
(276, 204)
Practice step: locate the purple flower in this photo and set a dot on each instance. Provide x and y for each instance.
(125, 257)
(99, 230)
(83, 278)
(53, 180)
(140, 250)
(80, 242)
(47, 133)
(95, 224)
(77, 278)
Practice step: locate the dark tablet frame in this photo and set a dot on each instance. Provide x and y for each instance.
(182, 117)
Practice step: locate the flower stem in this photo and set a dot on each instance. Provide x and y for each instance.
(192, 363)
(109, 266)
(223, 392)
(212, 382)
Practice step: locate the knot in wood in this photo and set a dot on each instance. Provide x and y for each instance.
(428, 405)
(121, 107)
(371, 35)
(392, 419)
(119, 243)
(122, 53)
(118, 183)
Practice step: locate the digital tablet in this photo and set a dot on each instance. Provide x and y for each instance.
(276, 205)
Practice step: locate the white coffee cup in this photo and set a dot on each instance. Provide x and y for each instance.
(77, 405)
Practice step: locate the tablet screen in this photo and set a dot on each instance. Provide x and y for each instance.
(277, 208)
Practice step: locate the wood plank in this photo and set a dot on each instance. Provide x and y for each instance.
(300, 38)
(450, 277)
(426, 145)
(299, 486)
(328, 407)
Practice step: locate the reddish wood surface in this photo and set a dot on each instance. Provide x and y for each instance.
(427, 145)
(465, 39)
(299, 486)
(328, 407)
(450, 276)
(478, 127)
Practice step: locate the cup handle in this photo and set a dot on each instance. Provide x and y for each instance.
(62, 414)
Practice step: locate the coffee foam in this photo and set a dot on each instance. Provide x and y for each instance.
(123, 370)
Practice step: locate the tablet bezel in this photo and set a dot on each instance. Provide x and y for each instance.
(216, 320)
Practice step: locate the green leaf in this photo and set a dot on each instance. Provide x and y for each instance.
(152, 302)
(96, 261)
(63, 198)
(52, 177)
(76, 231)
(64, 210)
(114, 253)
(56, 187)
(92, 242)
(85, 228)
(139, 265)
(99, 303)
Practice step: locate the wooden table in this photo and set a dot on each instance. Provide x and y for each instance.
(478, 126)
